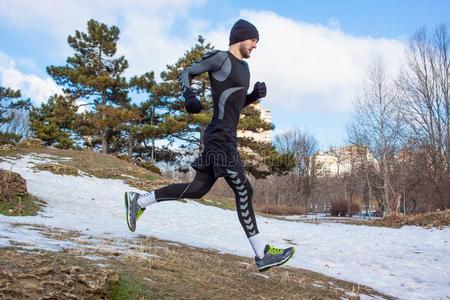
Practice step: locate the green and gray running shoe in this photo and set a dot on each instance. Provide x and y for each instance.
(133, 210)
(273, 257)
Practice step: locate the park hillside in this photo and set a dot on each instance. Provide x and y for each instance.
(369, 218)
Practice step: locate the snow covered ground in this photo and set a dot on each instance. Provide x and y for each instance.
(409, 263)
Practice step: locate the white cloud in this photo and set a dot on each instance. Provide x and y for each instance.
(63, 17)
(146, 38)
(307, 67)
(32, 86)
(310, 67)
(147, 44)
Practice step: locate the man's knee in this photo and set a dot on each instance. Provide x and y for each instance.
(248, 186)
(198, 189)
(240, 185)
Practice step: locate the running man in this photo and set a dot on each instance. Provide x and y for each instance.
(230, 78)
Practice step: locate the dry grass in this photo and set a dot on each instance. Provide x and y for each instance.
(92, 163)
(267, 210)
(436, 219)
(439, 219)
(58, 169)
(183, 272)
(280, 210)
(43, 275)
(155, 269)
(28, 205)
(14, 197)
(222, 202)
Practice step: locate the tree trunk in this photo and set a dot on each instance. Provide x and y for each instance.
(130, 148)
(202, 144)
(448, 135)
(386, 187)
(153, 150)
(152, 113)
(104, 131)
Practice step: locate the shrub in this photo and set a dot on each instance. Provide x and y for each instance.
(123, 157)
(9, 138)
(438, 218)
(150, 166)
(354, 208)
(339, 208)
(145, 164)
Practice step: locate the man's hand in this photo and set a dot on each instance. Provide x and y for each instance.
(192, 105)
(259, 91)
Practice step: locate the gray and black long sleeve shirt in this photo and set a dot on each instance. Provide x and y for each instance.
(230, 79)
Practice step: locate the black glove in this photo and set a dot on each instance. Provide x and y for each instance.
(259, 91)
(192, 105)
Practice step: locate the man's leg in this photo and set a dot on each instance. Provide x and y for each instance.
(197, 188)
(136, 203)
(266, 256)
(243, 192)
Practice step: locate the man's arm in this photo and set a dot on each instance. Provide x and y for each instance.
(209, 63)
(259, 91)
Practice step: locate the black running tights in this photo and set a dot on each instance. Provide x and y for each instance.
(202, 184)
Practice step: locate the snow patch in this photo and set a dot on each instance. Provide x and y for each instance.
(409, 263)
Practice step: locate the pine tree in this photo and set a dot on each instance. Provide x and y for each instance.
(261, 158)
(180, 124)
(54, 121)
(10, 102)
(93, 73)
(122, 123)
(147, 127)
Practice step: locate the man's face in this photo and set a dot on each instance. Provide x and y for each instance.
(247, 46)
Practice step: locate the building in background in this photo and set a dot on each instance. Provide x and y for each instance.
(263, 136)
(339, 161)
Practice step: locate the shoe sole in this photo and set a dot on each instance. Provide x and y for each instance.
(127, 211)
(265, 268)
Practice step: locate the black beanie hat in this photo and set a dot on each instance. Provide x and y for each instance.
(243, 30)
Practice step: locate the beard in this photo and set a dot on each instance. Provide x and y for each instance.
(245, 52)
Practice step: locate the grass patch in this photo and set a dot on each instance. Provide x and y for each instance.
(126, 289)
(21, 206)
(156, 269)
(434, 219)
(279, 210)
(57, 169)
(438, 219)
(93, 163)
(271, 211)
(152, 177)
(221, 202)
(183, 272)
(72, 162)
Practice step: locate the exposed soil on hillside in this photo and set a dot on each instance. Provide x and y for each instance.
(45, 275)
(155, 269)
(77, 162)
(143, 268)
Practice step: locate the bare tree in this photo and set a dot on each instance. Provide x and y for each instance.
(424, 91)
(340, 156)
(376, 124)
(18, 124)
(304, 146)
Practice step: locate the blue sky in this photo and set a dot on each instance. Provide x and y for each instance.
(381, 18)
(313, 55)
